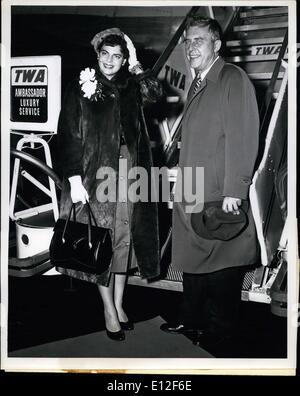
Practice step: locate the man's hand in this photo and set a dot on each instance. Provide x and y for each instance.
(231, 204)
(78, 192)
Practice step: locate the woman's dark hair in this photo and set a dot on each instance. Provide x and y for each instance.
(113, 40)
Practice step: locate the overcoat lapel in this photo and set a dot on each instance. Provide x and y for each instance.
(212, 75)
(193, 96)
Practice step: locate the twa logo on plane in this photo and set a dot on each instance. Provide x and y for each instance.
(266, 50)
(272, 50)
(174, 77)
(29, 75)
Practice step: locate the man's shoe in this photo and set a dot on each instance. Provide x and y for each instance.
(174, 329)
(179, 329)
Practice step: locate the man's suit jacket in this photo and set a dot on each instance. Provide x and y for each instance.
(220, 134)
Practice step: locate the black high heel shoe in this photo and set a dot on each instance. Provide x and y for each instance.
(116, 335)
(127, 325)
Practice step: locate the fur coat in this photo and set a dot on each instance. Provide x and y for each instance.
(89, 138)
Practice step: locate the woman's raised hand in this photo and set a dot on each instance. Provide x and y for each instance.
(78, 192)
(134, 65)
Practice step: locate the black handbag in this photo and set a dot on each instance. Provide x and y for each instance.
(80, 247)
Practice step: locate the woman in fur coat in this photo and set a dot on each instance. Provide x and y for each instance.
(101, 123)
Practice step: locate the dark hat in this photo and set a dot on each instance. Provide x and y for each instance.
(213, 223)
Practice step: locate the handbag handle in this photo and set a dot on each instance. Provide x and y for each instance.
(67, 221)
(89, 211)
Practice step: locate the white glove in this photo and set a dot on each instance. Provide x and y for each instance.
(78, 192)
(134, 65)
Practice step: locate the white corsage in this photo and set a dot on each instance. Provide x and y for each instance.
(90, 86)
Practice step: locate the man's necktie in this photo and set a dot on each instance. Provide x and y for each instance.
(198, 82)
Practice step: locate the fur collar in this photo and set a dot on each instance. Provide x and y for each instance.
(119, 81)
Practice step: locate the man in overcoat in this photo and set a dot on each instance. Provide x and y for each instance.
(219, 134)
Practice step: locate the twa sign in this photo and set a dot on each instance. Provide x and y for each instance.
(29, 94)
(35, 93)
(29, 75)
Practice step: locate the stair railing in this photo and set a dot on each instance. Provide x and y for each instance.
(271, 87)
(173, 42)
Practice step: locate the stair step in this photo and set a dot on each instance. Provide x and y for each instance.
(257, 34)
(264, 76)
(251, 58)
(260, 50)
(242, 43)
(260, 26)
(262, 86)
(264, 12)
(258, 67)
(263, 20)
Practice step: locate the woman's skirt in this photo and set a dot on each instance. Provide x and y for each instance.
(123, 258)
